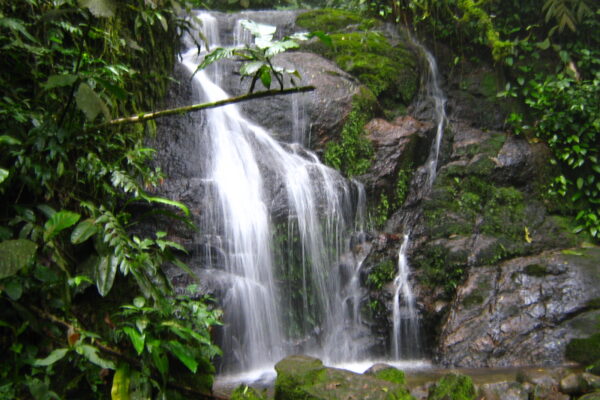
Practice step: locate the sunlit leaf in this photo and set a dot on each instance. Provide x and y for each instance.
(121, 383)
(137, 338)
(59, 222)
(250, 68)
(90, 102)
(106, 270)
(15, 255)
(54, 356)
(280, 47)
(91, 353)
(100, 8)
(215, 55)
(168, 202)
(55, 81)
(9, 140)
(265, 77)
(259, 31)
(83, 231)
(3, 175)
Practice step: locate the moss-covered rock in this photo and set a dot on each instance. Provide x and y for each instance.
(387, 373)
(388, 70)
(585, 351)
(331, 20)
(305, 378)
(453, 387)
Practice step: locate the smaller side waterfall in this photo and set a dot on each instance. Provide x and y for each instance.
(405, 336)
(405, 339)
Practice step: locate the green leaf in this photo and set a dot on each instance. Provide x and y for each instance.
(46, 209)
(55, 81)
(121, 383)
(9, 140)
(160, 359)
(139, 301)
(174, 203)
(16, 25)
(280, 47)
(105, 274)
(579, 183)
(14, 289)
(100, 8)
(54, 356)
(183, 354)
(91, 353)
(250, 68)
(261, 32)
(90, 103)
(59, 222)
(216, 55)
(137, 339)
(14, 255)
(265, 77)
(3, 175)
(83, 231)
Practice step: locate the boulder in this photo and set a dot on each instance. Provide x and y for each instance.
(504, 391)
(303, 378)
(522, 312)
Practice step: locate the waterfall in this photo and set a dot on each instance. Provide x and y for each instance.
(405, 332)
(278, 223)
(405, 339)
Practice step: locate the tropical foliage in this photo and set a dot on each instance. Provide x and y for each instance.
(85, 310)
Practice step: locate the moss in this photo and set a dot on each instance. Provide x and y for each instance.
(585, 351)
(536, 270)
(473, 299)
(332, 20)
(438, 270)
(594, 303)
(389, 71)
(391, 374)
(295, 374)
(244, 392)
(453, 387)
(381, 274)
(352, 154)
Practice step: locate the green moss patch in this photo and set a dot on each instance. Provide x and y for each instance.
(381, 274)
(453, 387)
(584, 351)
(332, 20)
(536, 270)
(244, 392)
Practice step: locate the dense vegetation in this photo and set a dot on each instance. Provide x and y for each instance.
(85, 310)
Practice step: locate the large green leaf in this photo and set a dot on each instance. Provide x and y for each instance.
(56, 355)
(100, 8)
(250, 68)
(90, 103)
(3, 175)
(105, 274)
(9, 140)
(14, 255)
(91, 353)
(55, 81)
(183, 352)
(83, 231)
(137, 339)
(121, 383)
(59, 222)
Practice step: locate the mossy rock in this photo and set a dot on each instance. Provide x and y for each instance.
(387, 373)
(305, 378)
(584, 351)
(331, 20)
(389, 71)
(244, 392)
(453, 387)
(590, 396)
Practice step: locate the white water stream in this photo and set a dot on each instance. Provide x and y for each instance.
(251, 174)
(405, 334)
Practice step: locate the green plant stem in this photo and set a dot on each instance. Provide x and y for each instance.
(203, 106)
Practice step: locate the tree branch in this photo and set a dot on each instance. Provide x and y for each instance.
(203, 106)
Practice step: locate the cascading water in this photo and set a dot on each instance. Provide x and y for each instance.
(277, 222)
(405, 333)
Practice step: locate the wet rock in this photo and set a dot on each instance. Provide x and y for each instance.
(590, 396)
(312, 118)
(579, 383)
(302, 377)
(521, 312)
(398, 144)
(504, 391)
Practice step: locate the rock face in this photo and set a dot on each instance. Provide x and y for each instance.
(521, 312)
(312, 118)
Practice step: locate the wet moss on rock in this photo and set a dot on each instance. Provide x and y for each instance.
(453, 387)
(331, 20)
(585, 351)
